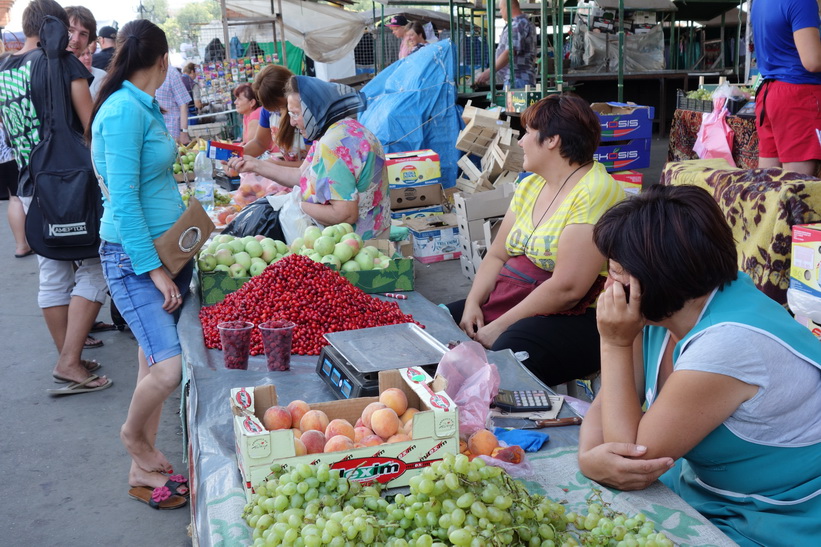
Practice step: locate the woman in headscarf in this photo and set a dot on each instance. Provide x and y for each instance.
(342, 179)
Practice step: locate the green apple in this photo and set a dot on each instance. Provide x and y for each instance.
(222, 268)
(237, 246)
(332, 261)
(332, 232)
(381, 262)
(226, 246)
(257, 267)
(324, 245)
(282, 248)
(207, 262)
(243, 259)
(269, 254)
(350, 266)
(297, 244)
(253, 248)
(347, 228)
(224, 257)
(316, 257)
(236, 270)
(246, 239)
(212, 247)
(312, 233)
(343, 252)
(267, 242)
(224, 238)
(364, 260)
(371, 250)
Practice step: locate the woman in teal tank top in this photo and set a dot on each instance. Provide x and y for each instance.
(694, 359)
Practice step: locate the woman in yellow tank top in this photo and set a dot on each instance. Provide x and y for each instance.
(535, 291)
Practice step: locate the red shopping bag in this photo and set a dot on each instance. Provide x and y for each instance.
(715, 138)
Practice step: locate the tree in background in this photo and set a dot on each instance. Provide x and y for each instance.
(155, 11)
(184, 25)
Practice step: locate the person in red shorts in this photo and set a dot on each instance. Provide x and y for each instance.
(788, 103)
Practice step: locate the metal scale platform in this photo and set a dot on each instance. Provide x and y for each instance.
(350, 365)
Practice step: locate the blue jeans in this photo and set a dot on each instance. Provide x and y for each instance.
(140, 303)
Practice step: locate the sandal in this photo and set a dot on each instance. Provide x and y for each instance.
(89, 364)
(101, 326)
(92, 342)
(158, 498)
(174, 482)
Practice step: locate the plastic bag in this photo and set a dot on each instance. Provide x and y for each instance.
(259, 218)
(291, 218)
(253, 186)
(715, 138)
(472, 384)
(519, 470)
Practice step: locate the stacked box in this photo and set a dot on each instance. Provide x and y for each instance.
(435, 238)
(630, 180)
(473, 211)
(517, 100)
(627, 130)
(415, 168)
(435, 432)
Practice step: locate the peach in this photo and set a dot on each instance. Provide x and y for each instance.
(482, 442)
(314, 419)
(371, 440)
(339, 427)
(408, 428)
(463, 447)
(395, 399)
(300, 448)
(360, 433)
(385, 422)
(408, 415)
(510, 454)
(398, 438)
(338, 443)
(298, 408)
(276, 417)
(314, 441)
(368, 412)
(297, 432)
(359, 423)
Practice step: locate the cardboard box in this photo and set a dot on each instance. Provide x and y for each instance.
(806, 259)
(630, 180)
(435, 432)
(215, 286)
(633, 154)
(517, 100)
(435, 238)
(621, 121)
(493, 203)
(415, 168)
(221, 151)
(418, 212)
(406, 197)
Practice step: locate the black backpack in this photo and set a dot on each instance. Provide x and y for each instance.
(63, 220)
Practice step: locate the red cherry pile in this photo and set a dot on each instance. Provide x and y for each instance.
(295, 288)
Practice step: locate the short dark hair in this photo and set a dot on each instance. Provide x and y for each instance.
(190, 67)
(84, 16)
(416, 27)
(35, 13)
(245, 90)
(569, 117)
(674, 240)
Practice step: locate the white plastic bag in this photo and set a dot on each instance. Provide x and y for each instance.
(291, 218)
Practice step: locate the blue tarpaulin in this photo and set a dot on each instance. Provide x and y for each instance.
(412, 106)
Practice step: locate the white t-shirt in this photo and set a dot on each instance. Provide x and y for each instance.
(787, 408)
(98, 74)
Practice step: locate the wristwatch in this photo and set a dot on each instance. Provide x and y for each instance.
(184, 130)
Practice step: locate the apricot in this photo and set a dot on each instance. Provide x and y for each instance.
(314, 441)
(299, 447)
(276, 417)
(385, 422)
(371, 440)
(368, 411)
(463, 447)
(340, 427)
(510, 454)
(297, 432)
(408, 415)
(395, 399)
(482, 442)
(298, 408)
(338, 443)
(398, 438)
(360, 433)
(314, 419)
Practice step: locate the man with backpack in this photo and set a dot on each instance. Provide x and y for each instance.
(70, 293)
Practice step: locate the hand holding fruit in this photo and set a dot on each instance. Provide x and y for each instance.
(244, 164)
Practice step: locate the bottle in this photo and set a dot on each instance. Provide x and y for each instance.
(204, 180)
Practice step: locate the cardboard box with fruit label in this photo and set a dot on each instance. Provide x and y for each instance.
(806, 259)
(619, 156)
(435, 432)
(435, 238)
(417, 212)
(630, 180)
(415, 168)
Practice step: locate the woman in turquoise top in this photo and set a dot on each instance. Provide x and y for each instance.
(731, 383)
(134, 154)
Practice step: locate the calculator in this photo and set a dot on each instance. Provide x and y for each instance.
(526, 400)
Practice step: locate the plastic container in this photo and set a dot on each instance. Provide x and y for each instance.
(204, 180)
(235, 337)
(276, 341)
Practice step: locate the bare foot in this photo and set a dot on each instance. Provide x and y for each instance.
(151, 479)
(144, 455)
(78, 373)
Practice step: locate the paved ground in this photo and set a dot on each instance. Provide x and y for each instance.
(65, 469)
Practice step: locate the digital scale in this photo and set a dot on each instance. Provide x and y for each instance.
(350, 365)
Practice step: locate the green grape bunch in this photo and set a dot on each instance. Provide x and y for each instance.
(455, 501)
(700, 94)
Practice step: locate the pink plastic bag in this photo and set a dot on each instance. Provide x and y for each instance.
(715, 138)
(472, 384)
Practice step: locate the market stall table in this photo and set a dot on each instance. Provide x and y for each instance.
(684, 130)
(217, 497)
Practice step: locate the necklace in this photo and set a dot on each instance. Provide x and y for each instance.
(559, 191)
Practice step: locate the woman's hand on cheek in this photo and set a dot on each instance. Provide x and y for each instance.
(619, 320)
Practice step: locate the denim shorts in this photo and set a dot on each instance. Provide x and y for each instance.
(140, 303)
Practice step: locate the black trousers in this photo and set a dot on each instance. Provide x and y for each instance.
(561, 347)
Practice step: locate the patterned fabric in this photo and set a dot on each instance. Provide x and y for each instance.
(524, 52)
(761, 206)
(6, 151)
(346, 164)
(171, 95)
(684, 130)
(324, 103)
(594, 194)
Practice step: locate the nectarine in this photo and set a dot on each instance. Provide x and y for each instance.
(395, 399)
(314, 441)
(314, 419)
(276, 417)
(385, 422)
